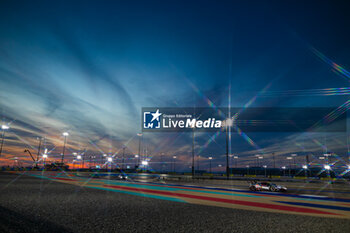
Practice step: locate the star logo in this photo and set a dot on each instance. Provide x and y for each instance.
(156, 115)
(151, 120)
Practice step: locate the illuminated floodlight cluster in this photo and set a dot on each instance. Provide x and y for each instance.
(327, 167)
(5, 127)
(45, 154)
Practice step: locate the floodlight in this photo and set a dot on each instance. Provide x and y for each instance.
(5, 127)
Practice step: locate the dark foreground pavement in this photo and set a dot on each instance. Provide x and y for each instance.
(30, 204)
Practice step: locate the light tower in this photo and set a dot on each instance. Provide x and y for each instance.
(3, 127)
(65, 135)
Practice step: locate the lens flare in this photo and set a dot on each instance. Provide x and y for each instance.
(336, 68)
(309, 92)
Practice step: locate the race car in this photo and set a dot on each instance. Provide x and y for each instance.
(123, 177)
(266, 186)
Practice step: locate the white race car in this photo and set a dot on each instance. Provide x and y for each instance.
(123, 177)
(266, 186)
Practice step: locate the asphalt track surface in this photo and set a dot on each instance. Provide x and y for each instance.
(31, 204)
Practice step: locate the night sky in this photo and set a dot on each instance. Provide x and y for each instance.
(88, 67)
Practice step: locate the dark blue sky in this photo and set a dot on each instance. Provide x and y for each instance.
(89, 66)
